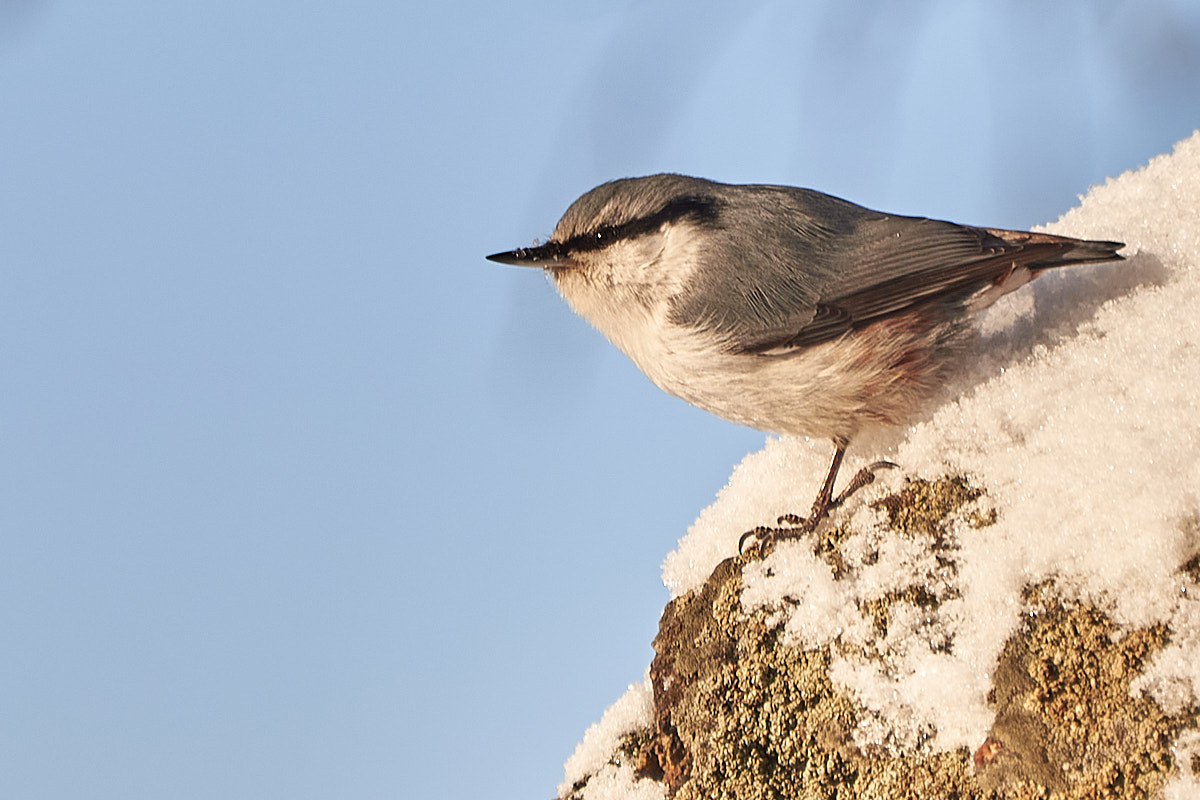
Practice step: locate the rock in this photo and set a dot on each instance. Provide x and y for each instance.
(739, 712)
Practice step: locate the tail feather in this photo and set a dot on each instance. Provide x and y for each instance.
(1088, 250)
(1059, 251)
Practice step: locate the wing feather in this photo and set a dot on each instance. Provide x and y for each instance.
(810, 267)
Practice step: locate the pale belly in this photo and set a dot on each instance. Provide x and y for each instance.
(883, 374)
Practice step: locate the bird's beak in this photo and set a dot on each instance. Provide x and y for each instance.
(547, 255)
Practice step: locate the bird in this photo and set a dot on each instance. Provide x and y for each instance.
(786, 309)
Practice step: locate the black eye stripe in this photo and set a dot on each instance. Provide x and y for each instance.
(701, 209)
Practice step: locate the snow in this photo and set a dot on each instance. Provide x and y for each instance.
(1187, 785)
(594, 755)
(1078, 418)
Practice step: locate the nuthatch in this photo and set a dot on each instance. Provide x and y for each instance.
(786, 309)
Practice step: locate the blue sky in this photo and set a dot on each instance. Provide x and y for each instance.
(299, 496)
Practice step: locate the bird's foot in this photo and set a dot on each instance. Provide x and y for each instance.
(794, 526)
(789, 526)
(864, 477)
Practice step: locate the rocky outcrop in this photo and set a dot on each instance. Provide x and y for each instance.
(741, 713)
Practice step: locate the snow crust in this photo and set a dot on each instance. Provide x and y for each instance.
(1078, 416)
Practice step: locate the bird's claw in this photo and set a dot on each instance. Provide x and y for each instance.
(794, 526)
(864, 477)
(789, 526)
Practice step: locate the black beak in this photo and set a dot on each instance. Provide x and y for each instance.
(547, 255)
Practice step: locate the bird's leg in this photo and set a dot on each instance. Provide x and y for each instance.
(824, 501)
(798, 526)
